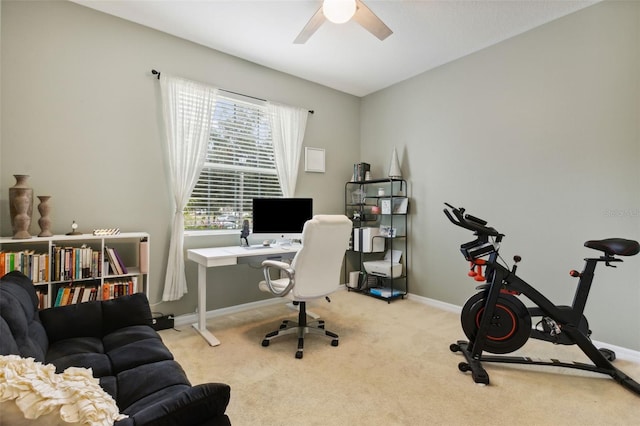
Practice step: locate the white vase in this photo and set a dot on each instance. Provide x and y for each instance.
(394, 166)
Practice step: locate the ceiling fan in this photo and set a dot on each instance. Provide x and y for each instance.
(340, 11)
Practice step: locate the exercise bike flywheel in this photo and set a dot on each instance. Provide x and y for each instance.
(510, 326)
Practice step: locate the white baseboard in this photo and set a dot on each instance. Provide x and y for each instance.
(621, 353)
(188, 319)
(436, 303)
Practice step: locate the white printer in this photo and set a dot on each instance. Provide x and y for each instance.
(390, 266)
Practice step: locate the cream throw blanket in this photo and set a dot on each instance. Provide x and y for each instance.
(74, 396)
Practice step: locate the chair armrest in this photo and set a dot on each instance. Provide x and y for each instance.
(267, 265)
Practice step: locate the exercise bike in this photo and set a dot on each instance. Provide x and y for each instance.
(495, 320)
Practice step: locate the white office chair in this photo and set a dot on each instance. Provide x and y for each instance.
(313, 273)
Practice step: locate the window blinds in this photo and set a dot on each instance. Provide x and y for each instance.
(239, 166)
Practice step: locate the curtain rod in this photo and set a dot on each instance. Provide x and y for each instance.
(157, 74)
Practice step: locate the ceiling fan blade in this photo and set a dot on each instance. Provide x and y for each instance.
(312, 26)
(365, 17)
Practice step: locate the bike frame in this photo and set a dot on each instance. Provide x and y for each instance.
(500, 279)
(568, 319)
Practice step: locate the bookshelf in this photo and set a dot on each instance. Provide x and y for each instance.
(78, 268)
(378, 253)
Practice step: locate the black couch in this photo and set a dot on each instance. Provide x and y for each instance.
(113, 338)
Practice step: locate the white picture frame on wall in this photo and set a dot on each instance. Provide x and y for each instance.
(314, 160)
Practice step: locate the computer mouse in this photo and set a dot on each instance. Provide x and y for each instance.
(266, 243)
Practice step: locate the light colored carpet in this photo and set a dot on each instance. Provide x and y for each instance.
(393, 367)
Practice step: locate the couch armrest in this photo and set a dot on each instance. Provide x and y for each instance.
(198, 405)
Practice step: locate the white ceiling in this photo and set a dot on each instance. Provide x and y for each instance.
(426, 33)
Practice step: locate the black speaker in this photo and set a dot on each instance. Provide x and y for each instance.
(245, 232)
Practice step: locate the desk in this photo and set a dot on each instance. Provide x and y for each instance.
(223, 256)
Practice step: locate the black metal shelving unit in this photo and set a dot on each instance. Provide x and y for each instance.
(388, 212)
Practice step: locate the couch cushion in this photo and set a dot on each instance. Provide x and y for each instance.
(87, 352)
(21, 280)
(18, 308)
(198, 405)
(76, 320)
(145, 380)
(155, 398)
(137, 353)
(110, 385)
(120, 350)
(125, 311)
(8, 345)
(127, 335)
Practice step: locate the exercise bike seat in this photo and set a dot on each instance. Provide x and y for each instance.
(613, 246)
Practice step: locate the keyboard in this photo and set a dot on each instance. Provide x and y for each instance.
(257, 247)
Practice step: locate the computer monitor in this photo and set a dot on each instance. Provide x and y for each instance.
(280, 219)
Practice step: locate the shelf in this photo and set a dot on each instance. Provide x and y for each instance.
(370, 181)
(69, 238)
(393, 213)
(80, 261)
(380, 293)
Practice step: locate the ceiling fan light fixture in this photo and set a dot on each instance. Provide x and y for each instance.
(339, 11)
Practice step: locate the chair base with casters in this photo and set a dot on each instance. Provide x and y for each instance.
(301, 328)
(314, 273)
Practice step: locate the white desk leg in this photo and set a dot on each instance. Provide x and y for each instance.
(201, 325)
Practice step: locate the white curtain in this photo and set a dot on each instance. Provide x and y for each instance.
(287, 131)
(187, 109)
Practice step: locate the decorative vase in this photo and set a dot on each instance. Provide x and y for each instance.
(21, 207)
(394, 166)
(44, 222)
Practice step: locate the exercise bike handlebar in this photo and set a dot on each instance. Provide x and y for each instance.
(470, 222)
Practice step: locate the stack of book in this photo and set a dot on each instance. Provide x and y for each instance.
(72, 294)
(116, 265)
(34, 265)
(74, 263)
(43, 297)
(360, 171)
(118, 287)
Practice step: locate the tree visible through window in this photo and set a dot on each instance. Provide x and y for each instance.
(240, 166)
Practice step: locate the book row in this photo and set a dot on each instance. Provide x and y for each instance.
(73, 294)
(70, 295)
(74, 263)
(33, 265)
(119, 287)
(43, 298)
(66, 263)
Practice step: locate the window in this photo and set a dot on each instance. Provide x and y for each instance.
(240, 166)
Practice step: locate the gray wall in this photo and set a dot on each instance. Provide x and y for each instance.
(540, 136)
(81, 116)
